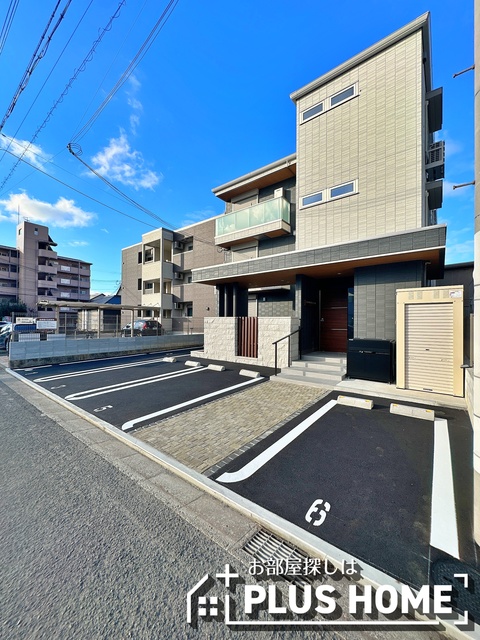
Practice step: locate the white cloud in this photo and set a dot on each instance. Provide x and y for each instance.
(31, 152)
(460, 252)
(135, 103)
(63, 213)
(79, 243)
(197, 216)
(119, 163)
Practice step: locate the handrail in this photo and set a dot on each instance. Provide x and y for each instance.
(289, 354)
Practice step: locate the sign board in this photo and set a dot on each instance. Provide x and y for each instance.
(46, 324)
(25, 320)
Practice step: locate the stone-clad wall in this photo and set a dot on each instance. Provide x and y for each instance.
(220, 340)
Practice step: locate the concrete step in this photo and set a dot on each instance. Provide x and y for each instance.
(311, 381)
(313, 365)
(316, 369)
(312, 357)
(326, 374)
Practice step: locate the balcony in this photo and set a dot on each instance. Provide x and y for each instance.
(47, 253)
(48, 268)
(47, 282)
(270, 218)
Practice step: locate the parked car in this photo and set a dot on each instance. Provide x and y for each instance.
(143, 328)
(9, 328)
(5, 335)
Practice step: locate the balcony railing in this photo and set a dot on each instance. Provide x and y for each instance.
(271, 218)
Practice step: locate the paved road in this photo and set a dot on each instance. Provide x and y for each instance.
(86, 552)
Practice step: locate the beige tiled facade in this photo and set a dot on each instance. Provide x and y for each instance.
(374, 138)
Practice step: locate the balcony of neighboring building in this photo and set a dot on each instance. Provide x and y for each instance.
(47, 268)
(68, 268)
(270, 218)
(8, 256)
(46, 281)
(7, 286)
(46, 296)
(152, 270)
(47, 253)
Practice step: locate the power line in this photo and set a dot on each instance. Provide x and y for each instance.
(77, 72)
(35, 59)
(116, 189)
(167, 12)
(8, 23)
(80, 192)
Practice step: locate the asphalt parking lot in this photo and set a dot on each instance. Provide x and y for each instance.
(392, 491)
(364, 481)
(131, 392)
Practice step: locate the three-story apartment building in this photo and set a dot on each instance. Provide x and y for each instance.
(326, 236)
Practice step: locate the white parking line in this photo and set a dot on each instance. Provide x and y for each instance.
(443, 529)
(121, 386)
(88, 372)
(254, 465)
(131, 423)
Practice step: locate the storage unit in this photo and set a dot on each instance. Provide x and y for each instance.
(370, 359)
(430, 339)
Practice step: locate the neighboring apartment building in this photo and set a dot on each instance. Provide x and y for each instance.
(324, 237)
(157, 273)
(36, 275)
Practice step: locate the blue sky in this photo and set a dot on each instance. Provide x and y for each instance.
(208, 102)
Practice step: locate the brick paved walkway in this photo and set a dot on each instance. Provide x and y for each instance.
(202, 437)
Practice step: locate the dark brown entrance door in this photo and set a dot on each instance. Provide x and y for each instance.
(334, 317)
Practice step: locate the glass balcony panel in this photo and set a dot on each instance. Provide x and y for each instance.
(277, 209)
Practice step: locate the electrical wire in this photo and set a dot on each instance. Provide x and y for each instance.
(7, 23)
(81, 192)
(76, 73)
(167, 12)
(35, 59)
(116, 189)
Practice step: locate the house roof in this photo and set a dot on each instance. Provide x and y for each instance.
(263, 177)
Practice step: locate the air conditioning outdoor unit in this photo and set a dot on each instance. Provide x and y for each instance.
(279, 193)
(178, 245)
(178, 276)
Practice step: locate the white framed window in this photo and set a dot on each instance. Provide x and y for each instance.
(312, 112)
(313, 198)
(343, 95)
(332, 193)
(330, 102)
(342, 190)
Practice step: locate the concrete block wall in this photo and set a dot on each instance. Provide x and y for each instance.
(221, 340)
(24, 354)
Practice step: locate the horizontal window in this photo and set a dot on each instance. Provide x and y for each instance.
(342, 190)
(342, 96)
(312, 199)
(309, 113)
(330, 102)
(332, 193)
